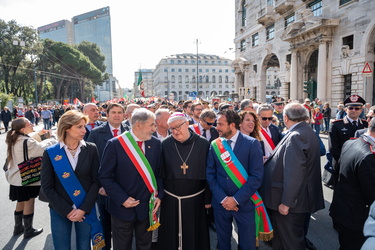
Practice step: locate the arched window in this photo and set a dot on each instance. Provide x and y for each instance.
(173, 79)
(226, 79)
(207, 79)
(180, 79)
(213, 79)
(187, 79)
(220, 79)
(193, 79)
(200, 79)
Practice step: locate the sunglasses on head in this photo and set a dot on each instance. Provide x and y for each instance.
(355, 108)
(267, 118)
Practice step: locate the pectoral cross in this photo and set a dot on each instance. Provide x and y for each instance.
(184, 167)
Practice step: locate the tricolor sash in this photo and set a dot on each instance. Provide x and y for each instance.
(143, 167)
(239, 176)
(196, 129)
(74, 189)
(269, 146)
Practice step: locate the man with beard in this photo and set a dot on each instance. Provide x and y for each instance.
(129, 174)
(183, 170)
(196, 109)
(231, 201)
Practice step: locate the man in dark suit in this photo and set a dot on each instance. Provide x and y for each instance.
(205, 127)
(229, 201)
(270, 133)
(6, 117)
(29, 114)
(92, 111)
(127, 190)
(343, 129)
(355, 190)
(291, 187)
(100, 136)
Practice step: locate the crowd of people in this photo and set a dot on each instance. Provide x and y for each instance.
(163, 172)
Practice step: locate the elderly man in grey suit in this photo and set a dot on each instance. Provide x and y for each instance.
(292, 187)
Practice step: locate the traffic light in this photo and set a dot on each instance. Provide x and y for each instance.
(307, 87)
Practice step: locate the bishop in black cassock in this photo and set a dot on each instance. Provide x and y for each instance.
(186, 182)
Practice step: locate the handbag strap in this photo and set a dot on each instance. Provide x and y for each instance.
(25, 151)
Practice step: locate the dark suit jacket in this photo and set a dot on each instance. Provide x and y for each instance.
(292, 174)
(98, 123)
(86, 172)
(6, 116)
(249, 153)
(355, 190)
(275, 132)
(100, 135)
(121, 180)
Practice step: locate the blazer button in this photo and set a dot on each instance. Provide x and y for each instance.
(227, 178)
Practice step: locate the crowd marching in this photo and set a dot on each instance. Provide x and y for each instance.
(165, 172)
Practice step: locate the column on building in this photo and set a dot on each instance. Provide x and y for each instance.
(322, 71)
(294, 76)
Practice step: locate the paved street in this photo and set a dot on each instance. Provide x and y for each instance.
(320, 233)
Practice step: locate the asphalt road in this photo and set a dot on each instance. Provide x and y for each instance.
(320, 232)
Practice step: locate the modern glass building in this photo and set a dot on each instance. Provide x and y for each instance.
(95, 27)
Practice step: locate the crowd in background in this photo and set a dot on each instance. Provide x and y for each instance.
(263, 121)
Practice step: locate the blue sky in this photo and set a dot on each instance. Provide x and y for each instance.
(143, 32)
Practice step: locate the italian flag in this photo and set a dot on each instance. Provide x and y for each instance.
(140, 84)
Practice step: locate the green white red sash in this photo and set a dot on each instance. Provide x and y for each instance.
(143, 167)
(239, 176)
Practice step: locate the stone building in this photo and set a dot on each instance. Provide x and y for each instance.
(326, 41)
(175, 77)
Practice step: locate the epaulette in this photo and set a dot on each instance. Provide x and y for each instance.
(337, 120)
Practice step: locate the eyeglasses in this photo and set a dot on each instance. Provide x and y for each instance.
(178, 128)
(356, 109)
(198, 109)
(209, 123)
(267, 118)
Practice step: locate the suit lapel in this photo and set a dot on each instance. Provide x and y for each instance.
(279, 145)
(82, 157)
(237, 146)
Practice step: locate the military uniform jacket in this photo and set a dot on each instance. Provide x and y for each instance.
(355, 191)
(341, 131)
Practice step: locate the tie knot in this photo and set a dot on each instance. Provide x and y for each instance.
(230, 142)
(355, 123)
(115, 132)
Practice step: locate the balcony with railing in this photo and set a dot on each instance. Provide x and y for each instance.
(266, 15)
(282, 6)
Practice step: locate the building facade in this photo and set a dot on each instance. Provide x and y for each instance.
(325, 41)
(95, 27)
(175, 77)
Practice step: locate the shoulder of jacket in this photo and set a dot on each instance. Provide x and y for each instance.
(337, 121)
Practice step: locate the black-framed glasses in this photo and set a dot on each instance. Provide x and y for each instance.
(267, 118)
(178, 128)
(209, 123)
(355, 108)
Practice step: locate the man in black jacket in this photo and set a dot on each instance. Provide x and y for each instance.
(355, 190)
(6, 117)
